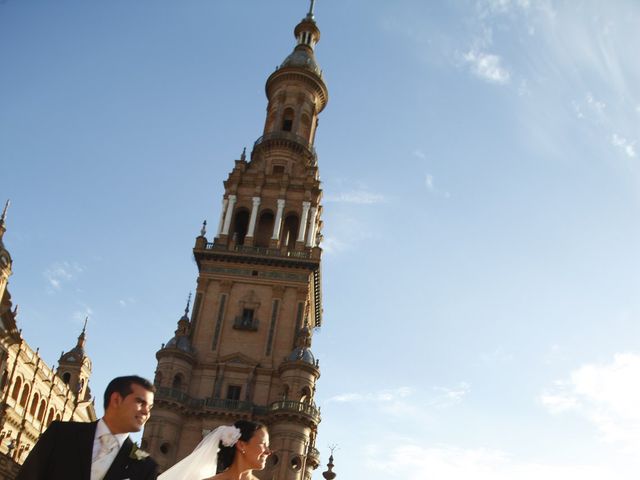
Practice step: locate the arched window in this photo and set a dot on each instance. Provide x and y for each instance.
(177, 382)
(34, 404)
(58, 417)
(287, 120)
(50, 416)
(305, 395)
(25, 395)
(290, 231)
(16, 388)
(240, 226)
(43, 407)
(265, 229)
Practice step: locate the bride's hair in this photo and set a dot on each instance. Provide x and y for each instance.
(227, 454)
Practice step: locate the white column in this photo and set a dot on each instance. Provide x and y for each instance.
(222, 212)
(311, 237)
(228, 215)
(276, 225)
(254, 215)
(303, 221)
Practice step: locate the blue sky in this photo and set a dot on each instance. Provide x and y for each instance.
(481, 174)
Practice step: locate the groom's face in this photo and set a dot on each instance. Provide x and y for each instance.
(133, 410)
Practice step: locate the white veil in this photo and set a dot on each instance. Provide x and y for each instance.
(203, 461)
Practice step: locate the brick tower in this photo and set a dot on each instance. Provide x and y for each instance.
(245, 352)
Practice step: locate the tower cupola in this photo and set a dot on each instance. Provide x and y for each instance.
(181, 340)
(74, 366)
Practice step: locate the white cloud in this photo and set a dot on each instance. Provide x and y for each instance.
(597, 105)
(448, 396)
(360, 197)
(487, 66)
(380, 396)
(420, 154)
(623, 144)
(410, 459)
(607, 395)
(80, 315)
(61, 272)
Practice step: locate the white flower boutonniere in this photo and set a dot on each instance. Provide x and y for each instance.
(136, 453)
(229, 435)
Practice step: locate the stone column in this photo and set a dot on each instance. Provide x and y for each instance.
(222, 212)
(277, 224)
(311, 237)
(254, 215)
(303, 221)
(228, 215)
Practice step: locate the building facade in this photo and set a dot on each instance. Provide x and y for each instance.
(245, 352)
(32, 394)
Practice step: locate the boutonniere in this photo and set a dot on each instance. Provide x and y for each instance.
(137, 453)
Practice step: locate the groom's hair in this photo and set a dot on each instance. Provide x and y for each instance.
(122, 385)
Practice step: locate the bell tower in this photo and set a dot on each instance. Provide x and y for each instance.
(245, 351)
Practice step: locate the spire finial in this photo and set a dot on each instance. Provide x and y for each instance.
(203, 230)
(84, 327)
(186, 310)
(310, 14)
(4, 211)
(243, 157)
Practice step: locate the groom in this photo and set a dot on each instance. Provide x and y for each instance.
(100, 450)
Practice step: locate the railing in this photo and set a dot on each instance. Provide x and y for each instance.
(282, 406)
(297, 407)
(288, 136)
(271, 252)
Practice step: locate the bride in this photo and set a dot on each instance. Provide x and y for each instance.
(233, 450)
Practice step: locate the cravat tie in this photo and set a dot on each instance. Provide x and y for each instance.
(102, 462)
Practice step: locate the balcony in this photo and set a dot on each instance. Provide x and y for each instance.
(287, 139)
(282, 407)
(290, 406)
(313, 457)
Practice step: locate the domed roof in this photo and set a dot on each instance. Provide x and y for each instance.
(302, 57)
(302, 354)
(181, 343)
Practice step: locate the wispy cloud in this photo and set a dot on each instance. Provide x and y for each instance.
(80, 315)
(430, 185)
(403, 458)
(624, 145)
(360, 197)
(607, 395)
(380, 396)
(60, 273)
(487, 66)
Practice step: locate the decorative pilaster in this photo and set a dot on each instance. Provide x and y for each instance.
(223, 210)
(303, 221)
(278, 223)
(254, 216)
(228, 215)
(311, 237)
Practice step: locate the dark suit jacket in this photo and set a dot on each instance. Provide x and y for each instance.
(64, 451)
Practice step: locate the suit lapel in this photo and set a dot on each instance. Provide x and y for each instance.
(120, 463)
(85, 448)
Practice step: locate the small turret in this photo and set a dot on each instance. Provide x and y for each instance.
(74, 366)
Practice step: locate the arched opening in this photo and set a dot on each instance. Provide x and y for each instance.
(25, 395)
(50, 417)
(41, 410)
(4, 379)
(158, 380)
(34, 404)
(305, 395)
(287, 119)
(240, 226)
(177, 382)
(66, 377)
(265, 229)
(16, 388)
(58, 417)
(290, 231)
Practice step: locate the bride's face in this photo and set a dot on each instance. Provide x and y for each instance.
(257, 450)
